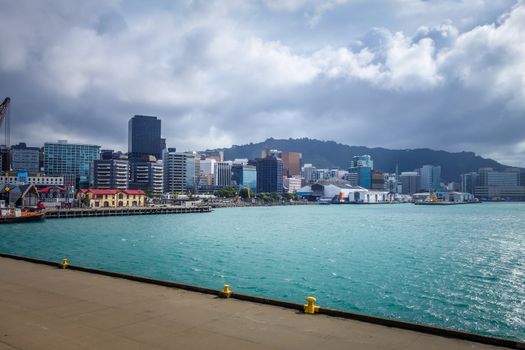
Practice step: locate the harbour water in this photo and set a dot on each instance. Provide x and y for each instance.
(460, 267)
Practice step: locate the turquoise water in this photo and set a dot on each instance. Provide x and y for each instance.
(459, 267)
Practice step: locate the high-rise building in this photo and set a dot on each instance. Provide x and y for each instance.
(352, 178)
(493, 185)
(207, 173)
(269, 175)
(244, 176)
(409, 182)
(73, 161)
(144, 138)
(430, 178)
(147, 176)
(378, 180)
(292, 184)
(469, 182)
(25, 158)
(111, 174)
(309, 173)
(362, 166)
(291, 163)
(364, 176)
(391, 183)
(181, 171)
(362, 161)
(322, 174)
(223, 174)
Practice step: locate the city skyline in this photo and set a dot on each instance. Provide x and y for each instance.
(442, 75)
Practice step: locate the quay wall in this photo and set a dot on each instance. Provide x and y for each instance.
(77, 213)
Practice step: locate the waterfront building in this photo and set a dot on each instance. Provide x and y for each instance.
(499, 185)
(409, 182)
(111, 174)
(391, 183)
(469, 182)
(181, 171)
(291, 163)
(362, 166)
(343, 194)
(292, 184)
(147, 176)
(54, 196)
(73, 160)
(269, 174)
(223, 174)
(430, 178)
(25, 158)
(352, 178)
(207, 173)
(23, 179)
(378, 180)
(309, 173)
(193, 171)
(112, 198)
(144, 138)
(244, 176)
(363, 174)
(19, 196)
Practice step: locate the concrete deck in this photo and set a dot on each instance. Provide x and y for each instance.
(42, 307)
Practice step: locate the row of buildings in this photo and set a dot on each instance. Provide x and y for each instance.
(489, 184)
(149, 165)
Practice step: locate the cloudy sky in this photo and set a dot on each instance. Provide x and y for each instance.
(443, 74)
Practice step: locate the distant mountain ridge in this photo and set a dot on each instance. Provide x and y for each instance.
(330, 154)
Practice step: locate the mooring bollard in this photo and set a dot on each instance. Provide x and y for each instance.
(65, 263)
(311, 308)
(226, 292)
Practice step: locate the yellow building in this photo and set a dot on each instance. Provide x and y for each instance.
(113, 198)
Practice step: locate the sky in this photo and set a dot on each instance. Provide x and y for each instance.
(447, 74)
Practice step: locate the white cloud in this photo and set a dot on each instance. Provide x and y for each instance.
(491, 59)
(215, 80)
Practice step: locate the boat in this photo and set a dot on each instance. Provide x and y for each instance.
(12, 216)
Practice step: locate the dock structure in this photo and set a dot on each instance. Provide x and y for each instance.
(88, 212)
(45, 307)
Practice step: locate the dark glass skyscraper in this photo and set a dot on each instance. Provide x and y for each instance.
(144, 137)
(269, 175)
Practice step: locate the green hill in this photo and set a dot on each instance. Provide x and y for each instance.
(330, 154)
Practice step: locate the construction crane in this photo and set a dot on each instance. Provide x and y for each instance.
(4, 119)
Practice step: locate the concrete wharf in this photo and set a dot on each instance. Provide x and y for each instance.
(44, 307)
(88, 212)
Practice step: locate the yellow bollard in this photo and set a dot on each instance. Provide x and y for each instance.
(226, 292)
(65, 263)
(310, 308)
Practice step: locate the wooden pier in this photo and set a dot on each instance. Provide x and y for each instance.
(88, 212)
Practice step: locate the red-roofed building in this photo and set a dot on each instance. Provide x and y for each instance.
(53, 196)
(98, 198)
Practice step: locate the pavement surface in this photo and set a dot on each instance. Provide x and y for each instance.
(42, 307)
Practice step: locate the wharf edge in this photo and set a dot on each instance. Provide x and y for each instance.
(80, 213)
(433, 330)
